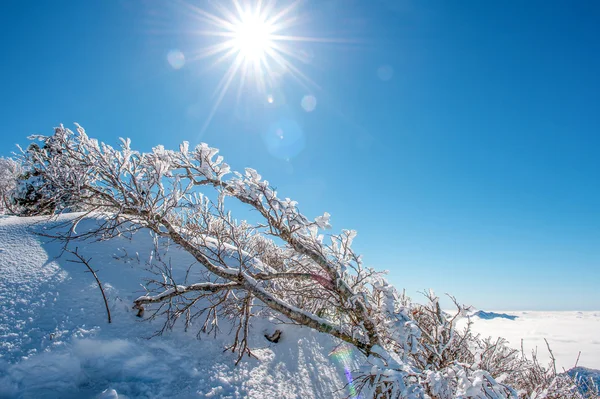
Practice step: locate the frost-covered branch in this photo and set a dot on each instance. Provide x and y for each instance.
(280, 266)
(183, 289)
(159, 191)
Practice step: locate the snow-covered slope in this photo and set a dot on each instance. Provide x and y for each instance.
(55, 341)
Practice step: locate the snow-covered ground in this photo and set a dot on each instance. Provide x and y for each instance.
(566, 332)
(55, 341)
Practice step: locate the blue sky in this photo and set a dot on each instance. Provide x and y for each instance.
(460, 139)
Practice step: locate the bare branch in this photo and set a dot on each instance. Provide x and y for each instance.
(182, 289)
(86, 262)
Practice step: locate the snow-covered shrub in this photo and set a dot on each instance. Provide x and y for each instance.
(10, 170)
(29, 196)
(35, 194)
(23, 188)
(32, 193)
(282, 266)
(440, 343)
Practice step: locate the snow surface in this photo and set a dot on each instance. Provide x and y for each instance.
(566, 332)
(55, 341)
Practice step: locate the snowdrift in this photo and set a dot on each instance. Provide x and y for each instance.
(55, 340)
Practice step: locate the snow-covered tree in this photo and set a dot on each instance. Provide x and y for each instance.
(283, 265)
(33, 194)
(10, 170)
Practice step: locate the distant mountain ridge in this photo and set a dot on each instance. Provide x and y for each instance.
(492, 315)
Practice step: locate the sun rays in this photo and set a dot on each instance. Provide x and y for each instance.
(253, 42)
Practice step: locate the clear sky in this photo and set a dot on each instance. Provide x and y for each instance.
(461, 139)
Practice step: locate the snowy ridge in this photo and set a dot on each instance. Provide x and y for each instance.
(55, 340)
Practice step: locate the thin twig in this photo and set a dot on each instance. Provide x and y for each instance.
(551, 356)
(85, 262)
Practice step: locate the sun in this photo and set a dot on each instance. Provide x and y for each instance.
(253, 37)
(258, 43)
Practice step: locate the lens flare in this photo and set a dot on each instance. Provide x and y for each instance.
(176, 59)
(385, 72)
(309, 103)
(343, 355)
(284, 139)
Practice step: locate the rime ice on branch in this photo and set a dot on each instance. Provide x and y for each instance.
(281, 266)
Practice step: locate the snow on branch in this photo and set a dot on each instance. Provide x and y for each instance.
(281, 266)
(182, 289)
